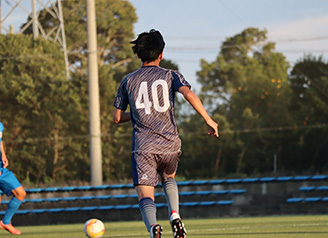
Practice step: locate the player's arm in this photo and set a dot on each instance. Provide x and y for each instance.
(3, 156)
(121, 116)
(195, 102)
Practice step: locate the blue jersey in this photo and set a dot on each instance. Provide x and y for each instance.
(1, 132)
(150, 92)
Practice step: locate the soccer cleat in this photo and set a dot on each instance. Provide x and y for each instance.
(156, 231)
(179, 231)
(10, 228)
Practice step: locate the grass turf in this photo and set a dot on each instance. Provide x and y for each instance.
(246, 227)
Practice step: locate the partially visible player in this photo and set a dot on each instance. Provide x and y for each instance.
(9, 185)
(150, 92)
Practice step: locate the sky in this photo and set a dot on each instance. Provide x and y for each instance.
(195, 29)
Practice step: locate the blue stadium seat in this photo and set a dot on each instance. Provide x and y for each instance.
(267, 179)
(53, 200)
(319, 177)
(36, 211)
(225, 202)
(67, 189)
(312, 199)
(322, 188)
(55, 210)
(200, 182)
(285, 178)
(189, 204)
(50, 189)
(106, 207)
(89, 208)
(307, 189)
(301, 178)
(22, 212)
(217, 181)
(119, 207)
(70, 198)
(250, 180)
(233, 180)
(72, 209)
(220, 192)
(238, 191)
(203, 193)
(294, 200)
(184, 183)
(207, 203)
(86, 198)
(84, 188)
(33, 190)
(188, 193)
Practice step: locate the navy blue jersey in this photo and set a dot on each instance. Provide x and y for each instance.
(150, 92)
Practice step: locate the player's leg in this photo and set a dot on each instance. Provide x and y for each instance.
(171, 192)
(147, 209)
(11, 186)
(145, 179)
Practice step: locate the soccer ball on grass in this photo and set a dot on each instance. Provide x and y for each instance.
(94, 228)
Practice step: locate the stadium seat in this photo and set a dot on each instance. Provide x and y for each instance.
(250, 180)
(285, 178)
(267, 179)
(294, 200)
(312, 199)
(307, 189)
(237, 191)
(233, 180)
(319, 177)
(226, 202)
(322, 188)
(301, 178)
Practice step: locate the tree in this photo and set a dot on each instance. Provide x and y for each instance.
(36, 100)
(115, 20)
(309, 82)
(247, 85)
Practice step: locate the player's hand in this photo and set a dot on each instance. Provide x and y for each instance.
(5, 162)
(215, 128)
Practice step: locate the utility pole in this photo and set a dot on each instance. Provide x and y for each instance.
(94, 110)
(34, 21)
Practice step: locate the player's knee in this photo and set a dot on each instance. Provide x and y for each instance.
(20, 194)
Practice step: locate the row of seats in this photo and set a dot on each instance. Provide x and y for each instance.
(124, 196)
(119, 207)
(313, 188)
(307, 199)
(185, 183)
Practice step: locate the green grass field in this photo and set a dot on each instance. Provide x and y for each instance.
(249, 227)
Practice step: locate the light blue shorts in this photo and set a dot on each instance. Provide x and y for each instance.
(8, 182)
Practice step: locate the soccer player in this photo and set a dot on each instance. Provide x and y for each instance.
(150, 93)
(9, 185)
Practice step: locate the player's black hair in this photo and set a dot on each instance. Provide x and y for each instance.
(149, 45)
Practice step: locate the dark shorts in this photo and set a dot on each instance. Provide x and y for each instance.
(146, 167)
(8, 182)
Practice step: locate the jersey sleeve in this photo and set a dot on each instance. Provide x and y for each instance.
(121, 100)
(178, 81)
(1, 130)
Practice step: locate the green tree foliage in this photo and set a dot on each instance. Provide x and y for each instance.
(247, 86)
(309, 106)
(114, 21)
(36, 99)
